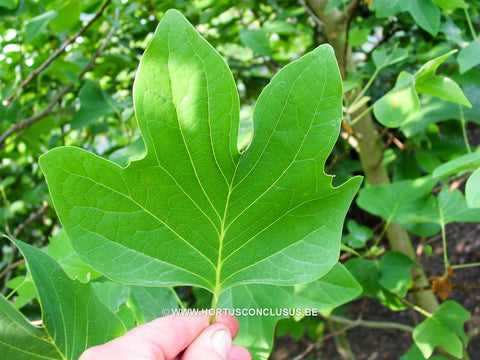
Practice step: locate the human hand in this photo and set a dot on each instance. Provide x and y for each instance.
(175, 337)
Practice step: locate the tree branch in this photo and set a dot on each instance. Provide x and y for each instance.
(23, 125)
(58, 52)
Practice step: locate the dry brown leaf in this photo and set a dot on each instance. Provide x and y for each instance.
(441, 285)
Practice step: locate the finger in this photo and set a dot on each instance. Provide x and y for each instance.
(239, 353)
(163, 338)
(229, 321)
(214, 343)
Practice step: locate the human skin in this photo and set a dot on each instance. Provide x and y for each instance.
(175, 337)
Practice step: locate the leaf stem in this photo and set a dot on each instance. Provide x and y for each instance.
(175, 295)
(464, 129)
(360, 117)
(366, 87)
(470, 25)
(462, 266)
(415, 307)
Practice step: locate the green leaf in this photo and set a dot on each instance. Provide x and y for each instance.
(443, 88)
(462, 163)
(61, 250)
(472, 190)
(468, 57)
(36, 25)
(152, 301)
(439, 86)
(414, 353)
(71, 312)
(398, 201)
(367, 273)
(95, 103)
(19, 339)
(68, 16)
(433, 110)
(134, 151)
(195, 210)
(257, 332)
(444, 328)
(358, 235)
(383, 58)
(425, 13)
(386, 8)
(450, 4)
(257, 40)
(395, 273)
(25, 290)
(9, 4)
(400, 104)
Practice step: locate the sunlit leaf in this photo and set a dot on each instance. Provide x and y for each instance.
(444, 328)
(195, 210)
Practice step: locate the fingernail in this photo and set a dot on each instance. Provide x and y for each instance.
(222, 342)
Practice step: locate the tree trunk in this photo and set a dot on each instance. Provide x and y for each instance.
(369, 145)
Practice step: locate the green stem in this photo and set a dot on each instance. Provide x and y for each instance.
(464, 129)
(462, 266)
(470, 25)
(366, 87)
(360, 117)
(415, 307)
(175, 295)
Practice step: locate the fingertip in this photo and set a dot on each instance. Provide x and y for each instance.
(238, 352)
(214, 343)
(231, 322)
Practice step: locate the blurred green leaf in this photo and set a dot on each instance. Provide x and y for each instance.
(9, 4)
(398, 105)
(383, 58)
(472, 190)
(36, 25)
(61, 250)
(25, 290)
(95, 103)
(439, 86)
(257, 40)
(450, 4)
(457, 165)
(468, 57)
(67, 16)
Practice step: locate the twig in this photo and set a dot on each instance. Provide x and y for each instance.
(350, 12)
(11, 265)
(31, 219)
(456, 287)
(337, 160)
(315, 344)
(311, 13)
(58, 52)
(23, 125)
(385, 325)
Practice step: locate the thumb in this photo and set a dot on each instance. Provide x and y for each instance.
(214, 343)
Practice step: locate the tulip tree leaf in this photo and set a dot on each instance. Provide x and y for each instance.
(195, 210)
(444, 328)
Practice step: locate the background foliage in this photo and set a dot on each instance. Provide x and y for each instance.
(411, 75)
